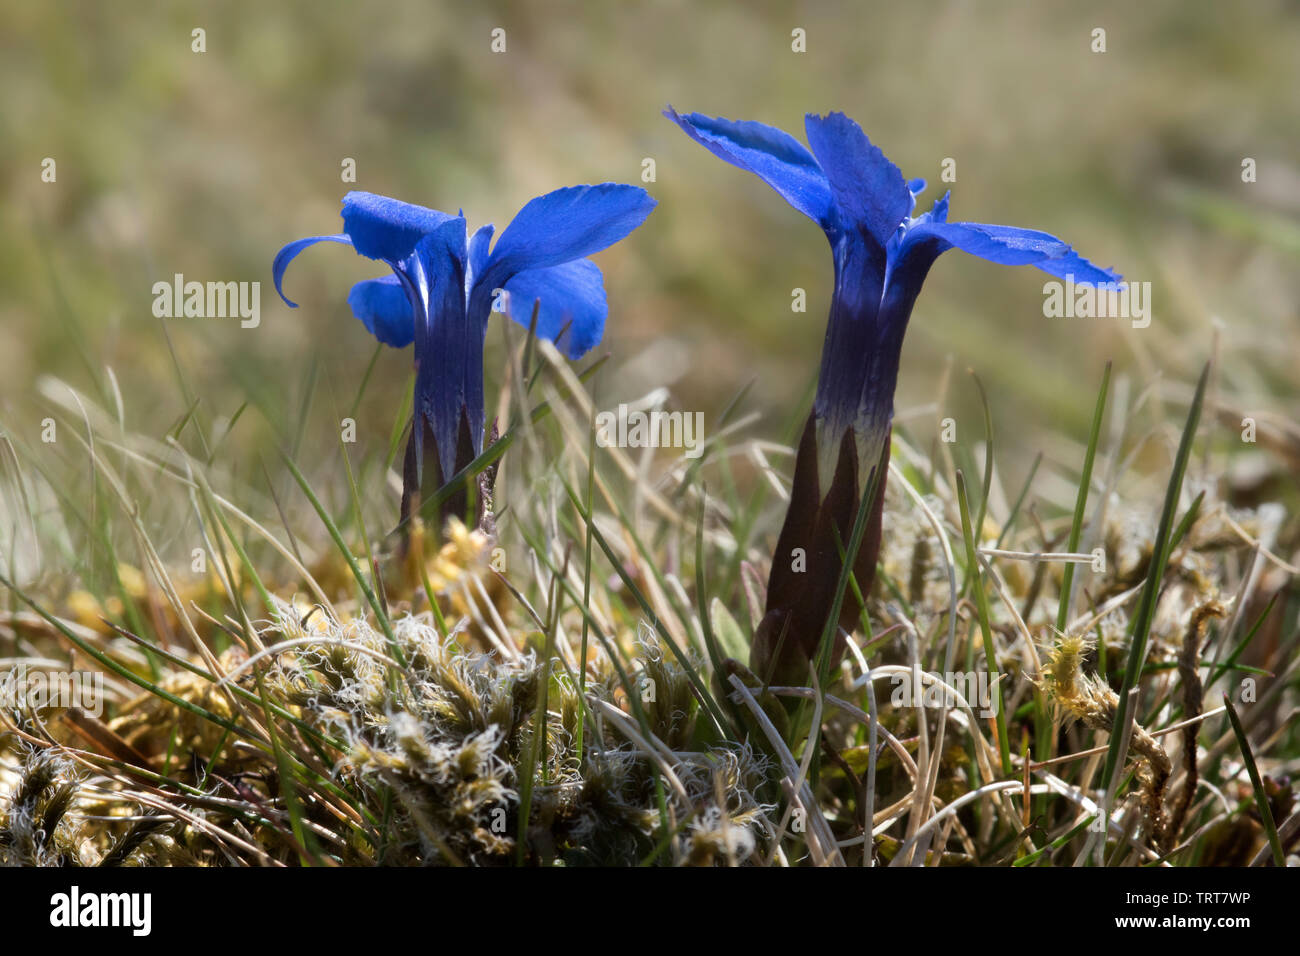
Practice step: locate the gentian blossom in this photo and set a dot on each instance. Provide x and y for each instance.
(882, 255)
(444, 284)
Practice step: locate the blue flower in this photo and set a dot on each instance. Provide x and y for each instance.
(444, 284)
(882, 255)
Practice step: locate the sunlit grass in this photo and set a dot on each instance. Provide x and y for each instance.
(575, 692)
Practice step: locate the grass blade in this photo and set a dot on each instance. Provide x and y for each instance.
(982, 612)
(1140, 627)
(1081, 501)
(1261, 798)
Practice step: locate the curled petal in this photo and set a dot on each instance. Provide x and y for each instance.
(289, 253)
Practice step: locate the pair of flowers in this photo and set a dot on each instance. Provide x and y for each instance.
(445, 284)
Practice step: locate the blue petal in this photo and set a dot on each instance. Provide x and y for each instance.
(869, 191)
(385, 308)
(915, 187)
(772, 155)
(567, 224)
(930, 236)
(387, 229)
(448, 346)
(1080, 270)
(287, 255)
(573, 307)
(939, 212)
(1009, 245)
(436, 269)
(478, 253)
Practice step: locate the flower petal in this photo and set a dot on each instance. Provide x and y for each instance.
(567, 224)
(448, 345)
(573, 307)
(772, 155)
(436, 269)
(387, 229)
(931, 235)
(915, 187)
(869, 191)
(289, 253)
(1012, 246)
(478, 253)
(385, 308)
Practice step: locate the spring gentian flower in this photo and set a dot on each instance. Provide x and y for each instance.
(882, 255)
(444, 285)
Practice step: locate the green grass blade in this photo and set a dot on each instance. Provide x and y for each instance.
(1020, 500)
(344, 550)
(982, 612)
(586, 584)
(1081, 501)
(1140, 626)
(1261, 798)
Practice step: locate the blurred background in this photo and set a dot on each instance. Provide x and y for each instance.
(171, 161)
